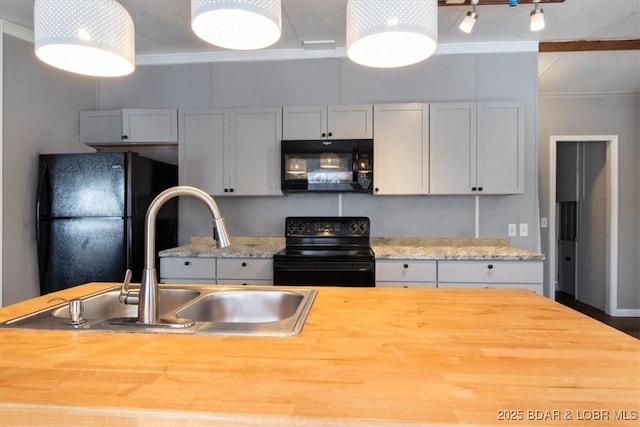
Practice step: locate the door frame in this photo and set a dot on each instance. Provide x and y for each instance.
(611, 269)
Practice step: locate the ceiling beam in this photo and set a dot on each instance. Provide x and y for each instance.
(588, 45)
(491, 2)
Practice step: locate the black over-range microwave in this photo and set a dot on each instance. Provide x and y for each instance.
(327, 166)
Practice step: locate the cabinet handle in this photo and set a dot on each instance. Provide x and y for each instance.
(376, 189)
(226, 190)
(406, 266)
(244, 264)
(479, 188)
(490, 266)
(405, 286)
(124, 137)
(330, 133)
(324, 135)
(187, 263)
(231, 190)
(473, 188)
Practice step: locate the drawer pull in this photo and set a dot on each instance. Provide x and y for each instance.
(244, 264)
(490, 266)
(187, 263)
(406, 266)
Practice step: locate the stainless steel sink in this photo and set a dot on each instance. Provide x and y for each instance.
(106, 305)
(215, 310)
(243, 306)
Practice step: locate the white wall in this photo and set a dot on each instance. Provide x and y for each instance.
(510, 76)
(41, 111)
(613, 114)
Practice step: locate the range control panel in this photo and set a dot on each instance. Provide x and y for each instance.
(327, 226)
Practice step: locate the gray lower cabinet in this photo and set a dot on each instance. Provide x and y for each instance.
(187, 270)
(491, 274)
(405, 273)
(245, 271)
(230, 271)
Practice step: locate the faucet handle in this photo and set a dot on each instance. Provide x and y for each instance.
(128, 296)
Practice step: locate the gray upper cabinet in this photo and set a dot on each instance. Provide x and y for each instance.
(328, 122)
(231, 151)
(476, 148)
(129, 126)
(401, 149)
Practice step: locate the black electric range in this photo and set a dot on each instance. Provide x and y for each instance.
(325, 251)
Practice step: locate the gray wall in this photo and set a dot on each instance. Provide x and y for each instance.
(339, 81)
(615, 114)
(41, 108)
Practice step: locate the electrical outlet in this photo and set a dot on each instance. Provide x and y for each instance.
(524, 230)
(511, 232)
(543, 222)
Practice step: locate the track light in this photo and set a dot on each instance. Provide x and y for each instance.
(537, 18)
(470, 19)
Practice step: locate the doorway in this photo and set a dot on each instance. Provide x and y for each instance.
(583, 219)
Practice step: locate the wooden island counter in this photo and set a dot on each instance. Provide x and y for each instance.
(374, 356)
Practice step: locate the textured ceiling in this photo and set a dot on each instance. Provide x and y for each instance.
(163, 27)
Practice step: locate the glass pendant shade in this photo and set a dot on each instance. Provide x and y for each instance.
(387, 34)
(468, 22)
(95, 37)
(537, 19)
(237, 24)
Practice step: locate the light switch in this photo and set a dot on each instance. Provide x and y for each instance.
(524, 230)
(511, 232)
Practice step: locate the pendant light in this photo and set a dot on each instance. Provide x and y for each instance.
(470, 19)
(237, 24)
(95, 38)
(537, 17)
(391, 33)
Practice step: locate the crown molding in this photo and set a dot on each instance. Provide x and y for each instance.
(293, 54)
(14, 30)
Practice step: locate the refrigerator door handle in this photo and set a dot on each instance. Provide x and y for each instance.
(41, 245)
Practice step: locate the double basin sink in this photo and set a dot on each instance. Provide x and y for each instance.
(214, 310)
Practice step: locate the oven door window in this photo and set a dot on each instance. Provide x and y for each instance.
(319, 171)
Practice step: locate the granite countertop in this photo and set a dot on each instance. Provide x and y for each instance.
(422, 248)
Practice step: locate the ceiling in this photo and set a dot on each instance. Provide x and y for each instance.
(163, 35)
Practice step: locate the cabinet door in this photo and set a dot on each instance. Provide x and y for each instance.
(304, 122)
(187, 268)
(452, 166)
(101, 127)
(150, 125)
(401, 147)
(253, 152)
(245, 269)
(500, 147)
(203, 135)
(350, 122)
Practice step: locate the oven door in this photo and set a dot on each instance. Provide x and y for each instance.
(324, 273)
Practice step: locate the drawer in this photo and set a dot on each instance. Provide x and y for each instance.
(537, 288)
(247, 282)
(244, 268)
(405, 271)
(188, 268)
(406, 285)
(490, 271)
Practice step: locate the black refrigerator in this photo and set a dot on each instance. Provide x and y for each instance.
(90, 212)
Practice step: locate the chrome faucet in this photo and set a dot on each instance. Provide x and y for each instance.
(147, 298)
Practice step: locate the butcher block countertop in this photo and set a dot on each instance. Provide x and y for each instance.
(418, 248)
(366, 357)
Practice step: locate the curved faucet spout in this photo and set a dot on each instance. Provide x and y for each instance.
(148, 302)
